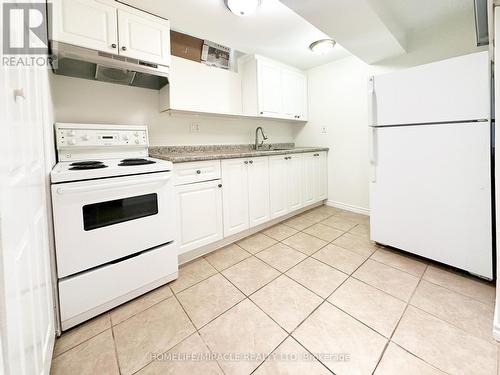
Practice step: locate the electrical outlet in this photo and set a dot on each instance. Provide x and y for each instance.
(194, 127)
(324, 130)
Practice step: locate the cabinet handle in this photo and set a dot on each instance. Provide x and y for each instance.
(220, 185)
(124, 48)
(246, 161)
(261, 113)
(113, 45)
(198, 172)
(251, 161)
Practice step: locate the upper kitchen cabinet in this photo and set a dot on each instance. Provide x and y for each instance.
(85, 23)
(143, 36)
(272, 89)
(112, 27)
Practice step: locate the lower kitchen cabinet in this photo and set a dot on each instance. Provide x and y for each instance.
(199, 210)
(235, 195)
(314, 177)
(217, 199)
(321, 175)
(245, 193)
(258, 191)
(285, 184)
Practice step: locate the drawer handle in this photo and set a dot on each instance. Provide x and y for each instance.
(113, 45)
(246, 161)
(220, 185)
(251, 161)
(124, 48)
(198, 172)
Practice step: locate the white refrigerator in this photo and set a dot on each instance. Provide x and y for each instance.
(430, 178)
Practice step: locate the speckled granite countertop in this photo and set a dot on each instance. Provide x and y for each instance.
(180, 154)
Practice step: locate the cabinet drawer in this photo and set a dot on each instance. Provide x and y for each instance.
(91, 293)
(198, 171)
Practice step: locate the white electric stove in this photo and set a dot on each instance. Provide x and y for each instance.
(114, 223)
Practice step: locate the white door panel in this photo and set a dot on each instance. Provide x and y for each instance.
(85, 23)
(258, 191)
(431, 193)
(270, 88)
(456, 89)
(235, 195)
(309, 179)
(199, 209)
(278, 186)
(294, 182)
(144, 37)
(321, 175)
(26, 304)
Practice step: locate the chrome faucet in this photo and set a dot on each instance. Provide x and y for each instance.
(257, 143)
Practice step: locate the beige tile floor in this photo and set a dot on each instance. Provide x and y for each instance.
(309, 296)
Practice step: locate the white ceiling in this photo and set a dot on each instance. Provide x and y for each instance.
(373, 30)
(416, 15)
(274, 30)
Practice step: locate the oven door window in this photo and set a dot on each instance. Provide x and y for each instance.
(103, 214)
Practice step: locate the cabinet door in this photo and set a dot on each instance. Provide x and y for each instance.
(144, 37)
(235, 195)
(290, 103)
(258, 191)
(199, 210)
(270, 89)
(309, 178)
(321, 171)
(294, 94)
(294, 182)
(278, 185)
(85, 23)
(301, 96)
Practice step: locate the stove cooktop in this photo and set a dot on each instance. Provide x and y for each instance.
(84, 165)
(93, 169)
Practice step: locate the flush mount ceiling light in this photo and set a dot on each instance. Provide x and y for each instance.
(322, 46)
(242, 7)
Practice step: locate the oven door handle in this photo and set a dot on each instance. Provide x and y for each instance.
(111, 185)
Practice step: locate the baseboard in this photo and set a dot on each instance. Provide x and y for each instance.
(496, 324)
(348, 207)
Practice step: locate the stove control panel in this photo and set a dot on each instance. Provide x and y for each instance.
(105, 136)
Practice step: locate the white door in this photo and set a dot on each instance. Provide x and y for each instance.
(290, 95)
(456, 89)
(235, 195)
(294, 94)
(85, 23)
(321, 175)
(270, 89)
(294, 182)
(278, 185)
(258, 191)
(26, 300)
(301, 96)
(143, 36)
(309, 178)
(431, 193)
(199, 209)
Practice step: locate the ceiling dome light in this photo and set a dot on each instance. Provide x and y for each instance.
(322, 46)
(242, 7)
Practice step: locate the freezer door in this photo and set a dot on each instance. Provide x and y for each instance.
(430, 193)
(456, 89)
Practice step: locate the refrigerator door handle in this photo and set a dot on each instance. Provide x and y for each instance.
(373, 156)
(372, 102)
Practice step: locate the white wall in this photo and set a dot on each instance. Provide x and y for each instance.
(79, 100)
(338, 101)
